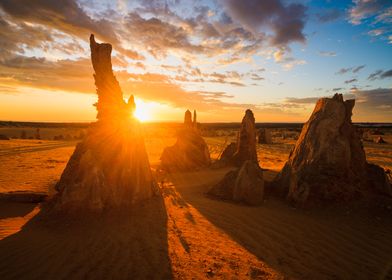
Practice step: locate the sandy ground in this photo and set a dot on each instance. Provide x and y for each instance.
(186, 235)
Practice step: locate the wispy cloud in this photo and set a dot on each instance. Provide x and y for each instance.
(354, 70)
(326, 53)
(380, 74)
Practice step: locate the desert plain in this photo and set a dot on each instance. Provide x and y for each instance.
(184, 234)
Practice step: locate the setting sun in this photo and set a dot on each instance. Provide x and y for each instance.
(183, 139)
(143, 111)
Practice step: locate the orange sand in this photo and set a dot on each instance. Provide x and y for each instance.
(187, 235)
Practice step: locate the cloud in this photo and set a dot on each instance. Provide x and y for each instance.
(329, 15)
(372, 101)
(304, 100)
(288, 62)
(68, 17)
(375, 103)
(285, 21)
(376, 32)
(370, 104)
(364, 9)
(325, 53)
(386, 74)
(350, 81)
(343, 71)
(358, 68)
(18, 37)
(158, 36)
(76, 76)
(380, 74)
(67, 75)
(354, 70)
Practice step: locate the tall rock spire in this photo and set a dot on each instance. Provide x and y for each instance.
(188, 119)
(110, 167)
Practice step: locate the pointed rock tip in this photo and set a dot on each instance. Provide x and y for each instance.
(92, 39)
(338, 97)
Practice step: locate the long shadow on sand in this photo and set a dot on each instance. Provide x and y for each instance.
(302, 244)
(12, 209)
(115, 245)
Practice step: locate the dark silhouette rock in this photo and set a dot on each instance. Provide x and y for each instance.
(328, 163)
(245, 185)
(190, 150)
(188, 119)
(264, 136)
(110, 167)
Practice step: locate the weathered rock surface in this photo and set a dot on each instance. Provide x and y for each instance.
(4, 137)
(110, 167)
(246, 143)
(245, 185)
(190, 150)
(328, 163)
(264, 136)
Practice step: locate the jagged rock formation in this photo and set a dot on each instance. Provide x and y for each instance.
(328, 163)
(264, 136)
(246, 143)
(189, 152)
(110, 167)
(242, 185)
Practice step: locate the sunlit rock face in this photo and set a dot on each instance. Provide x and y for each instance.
(328, 162)
(190, 151)
(110, 168)
(246, 143)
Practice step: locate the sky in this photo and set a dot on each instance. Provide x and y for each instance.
(220, 57)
